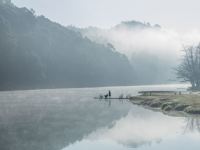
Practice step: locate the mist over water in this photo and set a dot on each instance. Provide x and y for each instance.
(76, 86)
(70, 119)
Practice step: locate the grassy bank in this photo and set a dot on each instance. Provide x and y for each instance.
(188, 104)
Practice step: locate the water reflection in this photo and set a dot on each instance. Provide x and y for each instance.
(144, 129)
(132, 122)
(54, 119)
(137, 129)
(109, 102)
(192, 124)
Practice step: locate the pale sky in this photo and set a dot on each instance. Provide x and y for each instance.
(174, 14)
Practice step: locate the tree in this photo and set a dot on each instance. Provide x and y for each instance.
(189, 68)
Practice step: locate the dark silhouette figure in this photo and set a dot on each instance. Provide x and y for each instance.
(109, 93)
(106, 96)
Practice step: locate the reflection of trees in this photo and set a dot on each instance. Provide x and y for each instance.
(42, 122)
(192, 124)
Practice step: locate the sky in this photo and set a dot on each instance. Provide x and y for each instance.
(173, 14)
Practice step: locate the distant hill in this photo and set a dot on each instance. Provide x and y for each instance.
(151, 50)
(136, 24)
(38, 53)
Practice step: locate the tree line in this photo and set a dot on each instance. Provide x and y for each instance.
(38, 53)
(189, 68)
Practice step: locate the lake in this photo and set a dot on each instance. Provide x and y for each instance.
(71, 119)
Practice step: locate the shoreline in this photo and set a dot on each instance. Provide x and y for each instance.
(173, 105)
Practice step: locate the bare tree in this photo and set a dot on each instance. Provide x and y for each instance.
(192, 124)
(189, 68)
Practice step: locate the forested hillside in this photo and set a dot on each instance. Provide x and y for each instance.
(38, 53)
(152, 51)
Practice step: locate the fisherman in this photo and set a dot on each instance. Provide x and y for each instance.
(109, 93)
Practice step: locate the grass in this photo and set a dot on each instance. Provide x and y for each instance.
(185, 104)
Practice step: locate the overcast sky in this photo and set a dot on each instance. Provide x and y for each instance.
(175, 14)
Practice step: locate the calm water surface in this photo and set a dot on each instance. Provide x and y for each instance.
(70, 119)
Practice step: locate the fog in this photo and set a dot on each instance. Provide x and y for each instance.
(176, 14)
(179, 26)
(61, 60)
(151, 49)
(161, 42)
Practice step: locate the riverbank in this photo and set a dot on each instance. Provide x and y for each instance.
(179, 105)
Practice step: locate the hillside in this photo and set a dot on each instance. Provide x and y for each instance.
(152, 51)
(38, 53)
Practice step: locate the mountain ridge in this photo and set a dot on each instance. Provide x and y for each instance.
(39, 53)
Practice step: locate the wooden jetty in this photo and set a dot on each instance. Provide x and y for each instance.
(150, 93)
(112, 98)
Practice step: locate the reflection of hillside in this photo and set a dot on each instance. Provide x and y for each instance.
(50, 121)
(140, 127)
(192, 124)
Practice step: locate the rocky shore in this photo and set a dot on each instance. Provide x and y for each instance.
(179, 105)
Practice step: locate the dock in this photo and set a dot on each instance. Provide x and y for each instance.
(150, 93)
(111, 98)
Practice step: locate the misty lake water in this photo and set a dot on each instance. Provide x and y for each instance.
(70, 119)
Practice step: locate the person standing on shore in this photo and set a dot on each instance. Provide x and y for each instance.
(109, 93)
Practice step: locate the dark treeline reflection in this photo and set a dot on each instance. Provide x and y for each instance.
(38, 53)
(192, 124)
(54, 119)
(45, 121)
